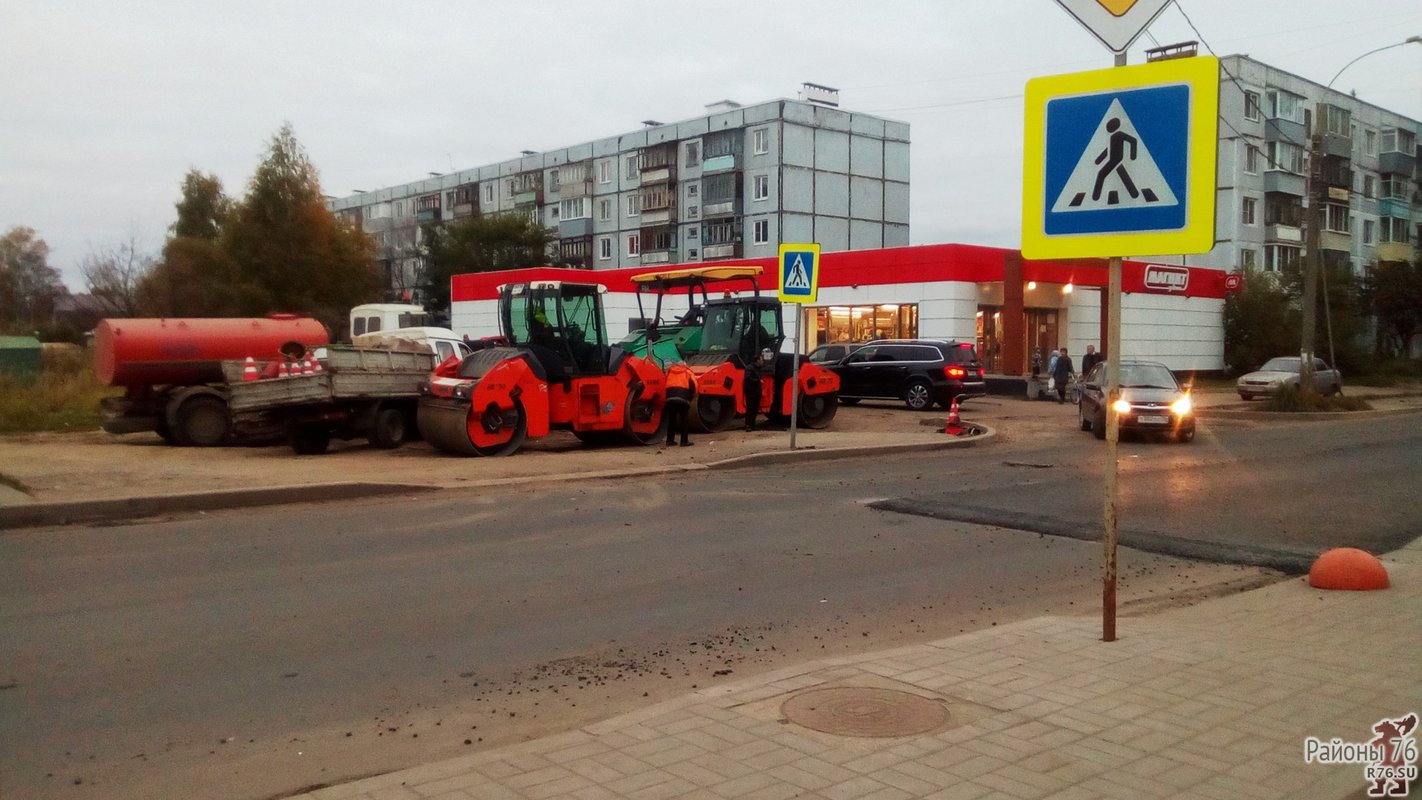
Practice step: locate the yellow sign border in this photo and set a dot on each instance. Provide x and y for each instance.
(1202, 74)
(814, 250)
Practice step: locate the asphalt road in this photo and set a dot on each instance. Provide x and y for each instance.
(251, 654)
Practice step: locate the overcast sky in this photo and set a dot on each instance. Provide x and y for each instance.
(104, 106)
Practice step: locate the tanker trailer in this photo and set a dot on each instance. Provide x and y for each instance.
(171, 369)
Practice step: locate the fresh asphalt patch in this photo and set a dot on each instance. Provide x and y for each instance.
(1289, 560)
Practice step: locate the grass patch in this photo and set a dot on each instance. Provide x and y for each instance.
(64, 396)
(1291, 399)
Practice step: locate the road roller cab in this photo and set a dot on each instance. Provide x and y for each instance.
(557, 372)
(717, 337)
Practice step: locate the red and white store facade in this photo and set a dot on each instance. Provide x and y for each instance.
(991, 296)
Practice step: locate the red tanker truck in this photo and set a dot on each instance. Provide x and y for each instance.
(171, 369)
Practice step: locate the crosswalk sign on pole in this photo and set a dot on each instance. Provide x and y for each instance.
(799, 273)
(1121, 161)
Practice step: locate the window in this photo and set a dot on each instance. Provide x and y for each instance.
(1397, 140)
(692, 190)
(1394, 229)
(631, 169)
(574, 208)
(1247, 210)
(553, 180)
(1246, 258)
(1336, 218)
(1286, 156)
(693, 153)
(760, 232)
(1370, 186)
(1370, 142)
(760, 141)
(634, 245)
(604, 172)
(761, 190)
(1369, 231)
(1279, 257)
(604, 248)
(691, 234)
(1394, 187)
(1283, 105)
(488, 192)
(1251, 159)
(1251, 106)
(634, 205)
(1335, 121)
(604, 210)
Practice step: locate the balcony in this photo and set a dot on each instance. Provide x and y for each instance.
(527, 197)
(1284, 130)
(575, 228)
(656, 257)
(719, 251)
(1394, 207)
(1396, 162)
(1277, 180)
(432, 215)
(658, 175)
(721, 208)
(1335, 240)
(462, 210)
(1338, 146)
(1395, 251)
(1283, 233)
(718, 164)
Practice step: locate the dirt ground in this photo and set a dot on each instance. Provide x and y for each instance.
(93, 465)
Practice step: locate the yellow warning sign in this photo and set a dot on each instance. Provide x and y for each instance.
(1117, 7)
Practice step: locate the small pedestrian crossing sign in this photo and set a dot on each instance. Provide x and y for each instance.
(1121, 161)
(799, 273)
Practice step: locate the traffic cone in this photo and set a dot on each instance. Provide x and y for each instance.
(249, 370)
(306, 366)
(954, 427)
(284, 371)
(316, 365)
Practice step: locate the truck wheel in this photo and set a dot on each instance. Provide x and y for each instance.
(307, 440)
(202, 422)
(389, 430)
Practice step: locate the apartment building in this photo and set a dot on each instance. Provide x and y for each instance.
(733, 183)
(1367, 163)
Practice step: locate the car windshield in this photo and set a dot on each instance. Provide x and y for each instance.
(1280, 365)
(1146, 376)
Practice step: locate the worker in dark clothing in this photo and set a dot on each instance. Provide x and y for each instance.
(681, 391)
(754, 369)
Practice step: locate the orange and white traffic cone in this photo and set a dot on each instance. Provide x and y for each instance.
(954, 427)
(249, 370)
(284, 371)
(316, 365)
(306, 366)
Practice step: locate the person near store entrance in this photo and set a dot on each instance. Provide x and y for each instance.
(681, 391)
(1090, 359)
(1062, 373)
(751, 386)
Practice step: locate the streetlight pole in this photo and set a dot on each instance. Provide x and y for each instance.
(1313, 257)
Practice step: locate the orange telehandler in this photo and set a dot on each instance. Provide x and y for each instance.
(556, 371)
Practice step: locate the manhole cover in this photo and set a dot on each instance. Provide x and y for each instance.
(864, 711)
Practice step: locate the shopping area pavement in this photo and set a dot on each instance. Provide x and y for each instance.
(1214, 700)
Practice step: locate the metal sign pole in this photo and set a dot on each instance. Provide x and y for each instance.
(795, 381)
(1113, 438)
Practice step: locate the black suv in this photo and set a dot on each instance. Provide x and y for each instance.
(917, 371)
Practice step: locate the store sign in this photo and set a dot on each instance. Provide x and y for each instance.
(1160, 278)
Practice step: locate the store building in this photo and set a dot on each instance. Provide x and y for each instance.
(1008, 306)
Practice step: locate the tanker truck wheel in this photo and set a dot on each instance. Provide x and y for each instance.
(202, 422)
(390, 429)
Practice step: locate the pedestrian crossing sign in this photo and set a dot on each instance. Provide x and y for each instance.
(799, 273)
(1121, 162)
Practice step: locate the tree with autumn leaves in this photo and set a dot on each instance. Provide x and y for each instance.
(277, 249)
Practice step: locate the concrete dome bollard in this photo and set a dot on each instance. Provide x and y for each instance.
(1348, 568)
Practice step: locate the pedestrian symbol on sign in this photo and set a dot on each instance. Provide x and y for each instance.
(795, 275)
(1115, 171)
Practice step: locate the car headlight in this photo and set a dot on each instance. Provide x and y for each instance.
(1183, 406)
(1122, 407)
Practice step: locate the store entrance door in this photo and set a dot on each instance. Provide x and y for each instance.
(1041, 333)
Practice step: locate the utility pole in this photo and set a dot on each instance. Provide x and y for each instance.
(1313, 257)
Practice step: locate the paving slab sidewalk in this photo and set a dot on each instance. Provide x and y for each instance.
(1213, 700)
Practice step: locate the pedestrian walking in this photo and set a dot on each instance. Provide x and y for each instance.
(681, 392)
(1062, 373)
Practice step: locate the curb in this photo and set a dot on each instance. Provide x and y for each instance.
(38, 515)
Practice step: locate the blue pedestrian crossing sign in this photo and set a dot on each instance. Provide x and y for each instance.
(799, 273)
(1121, 161)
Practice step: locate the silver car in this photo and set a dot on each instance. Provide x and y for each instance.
(1280, 372)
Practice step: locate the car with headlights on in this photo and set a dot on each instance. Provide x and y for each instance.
(1151, 401)
(1284, 371)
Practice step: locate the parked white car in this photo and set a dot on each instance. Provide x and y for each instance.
(1280, 372)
